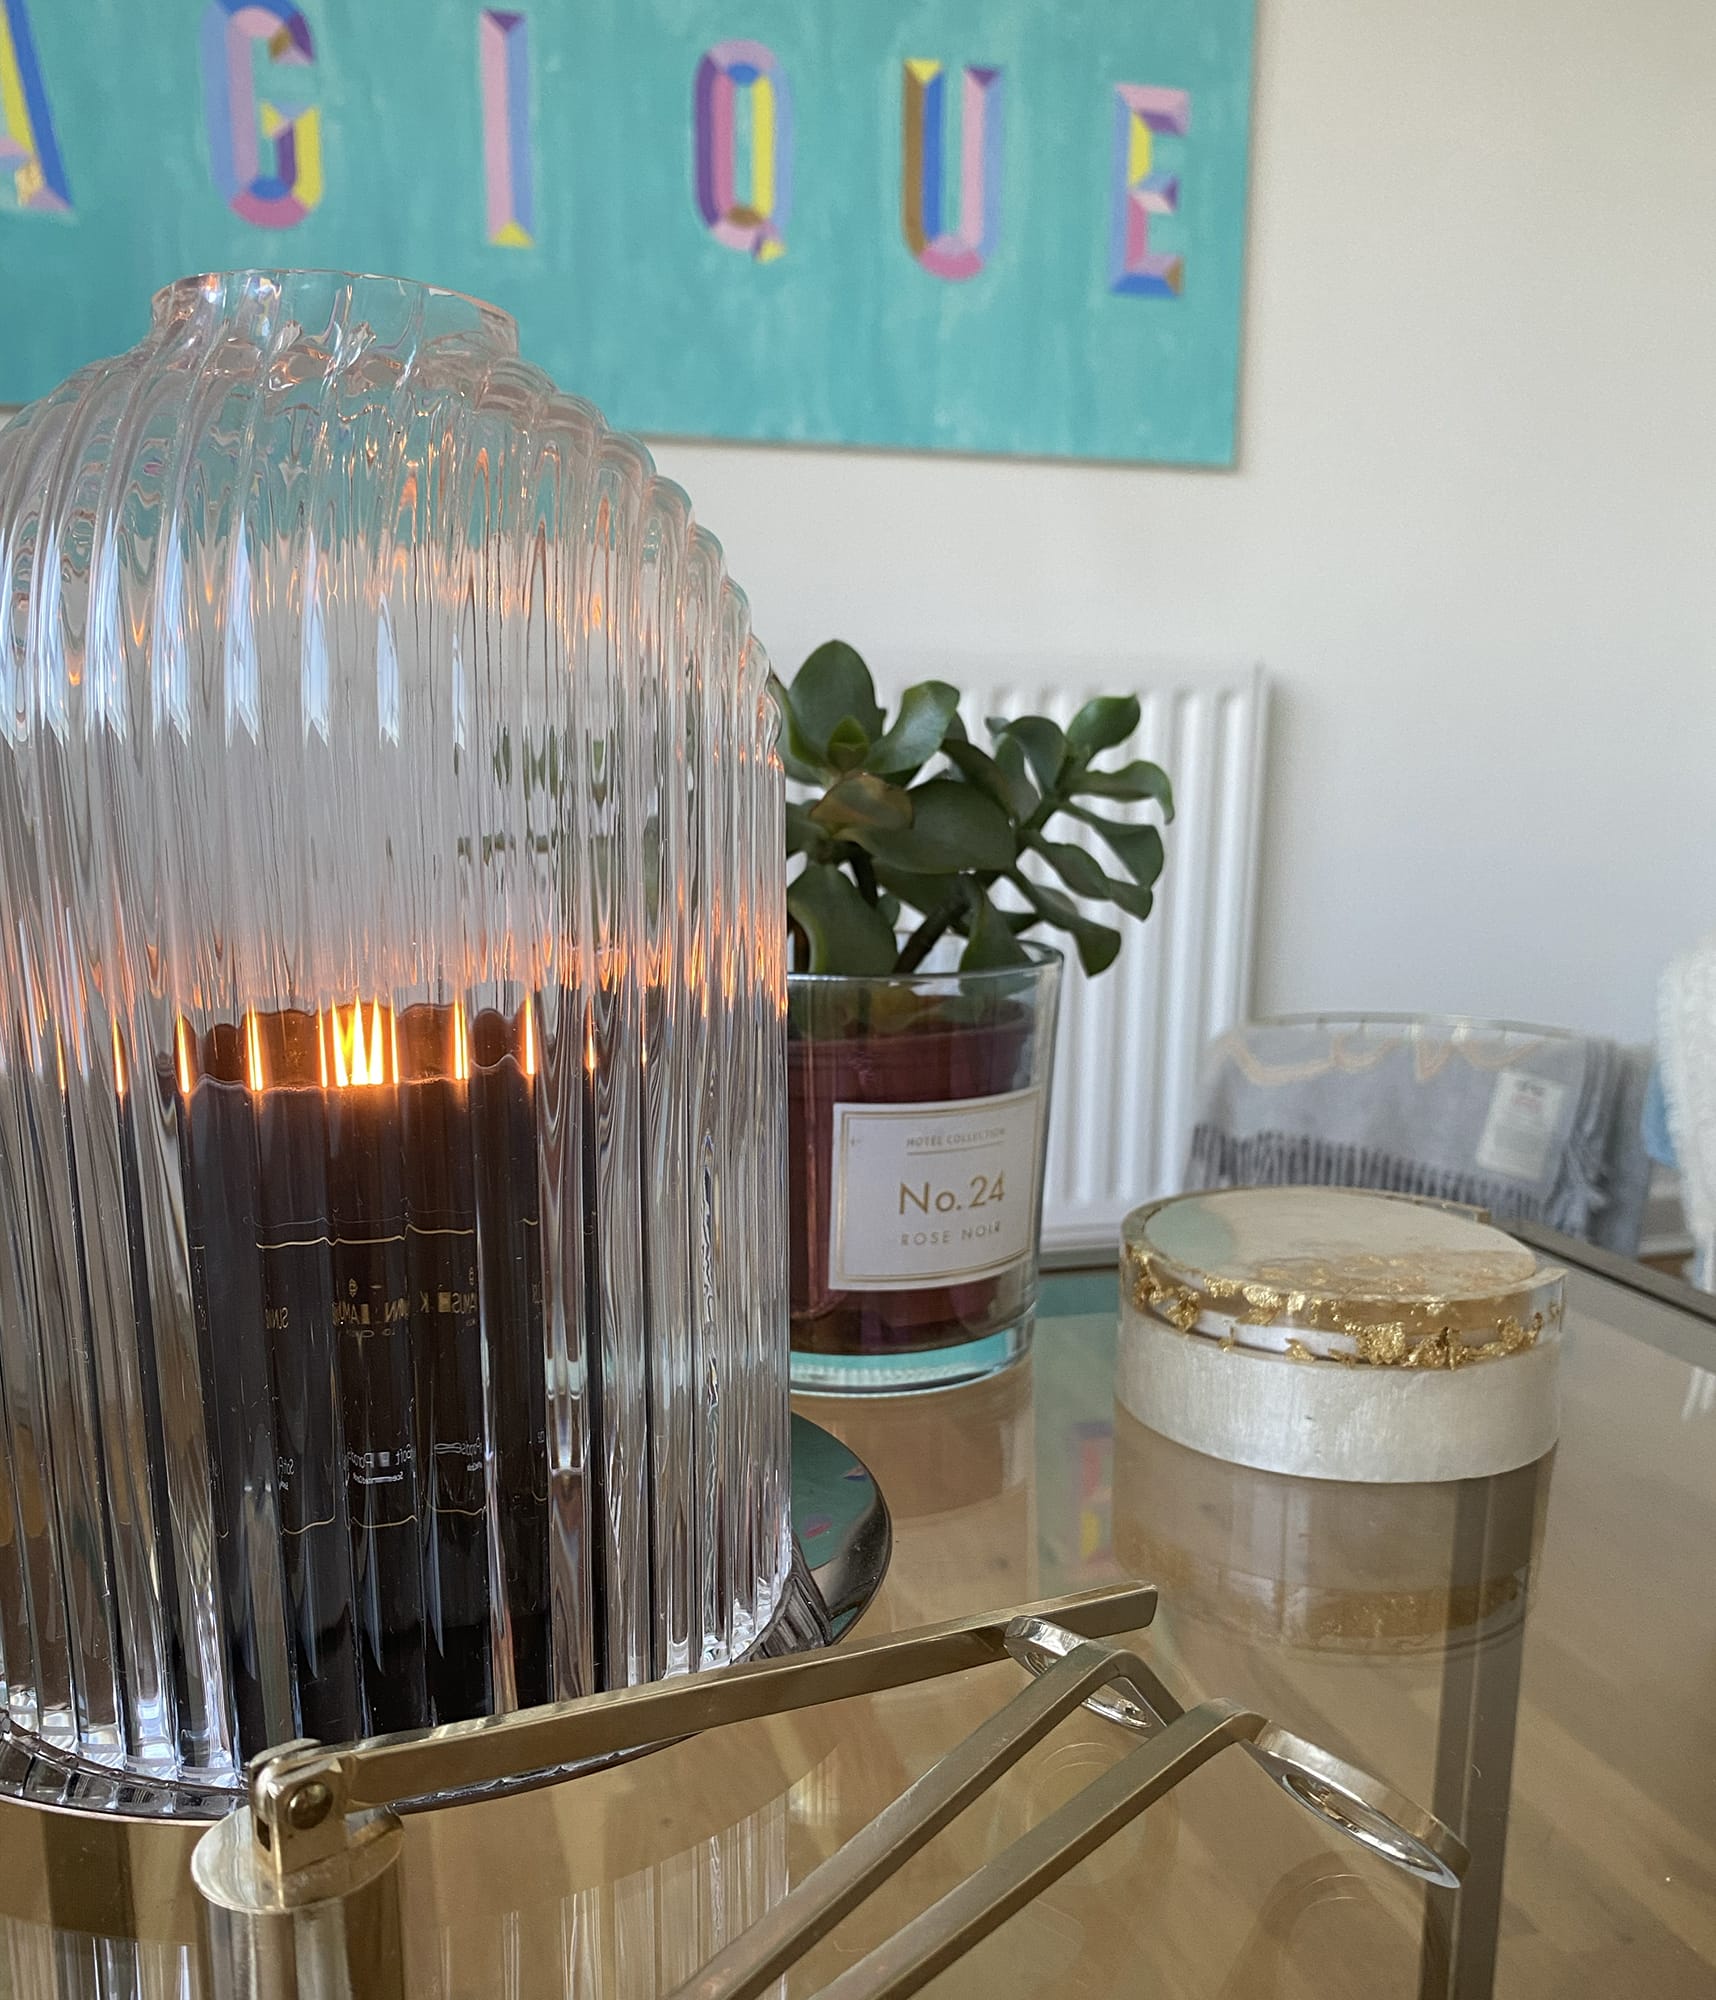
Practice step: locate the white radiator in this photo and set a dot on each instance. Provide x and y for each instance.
(1130, 1039)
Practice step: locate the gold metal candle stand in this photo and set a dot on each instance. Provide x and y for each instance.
(301, 1884)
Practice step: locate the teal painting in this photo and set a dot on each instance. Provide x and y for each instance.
(965, 225)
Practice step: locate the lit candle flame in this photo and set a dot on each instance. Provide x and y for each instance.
(118, 1062)
(529, 1039)
(358, 1059)
(253, 1050)
(183, 1043)
(461, 1045)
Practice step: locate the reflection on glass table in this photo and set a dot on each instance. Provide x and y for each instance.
(1528, 1655)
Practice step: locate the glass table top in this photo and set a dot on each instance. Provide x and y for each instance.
(1532, 1656)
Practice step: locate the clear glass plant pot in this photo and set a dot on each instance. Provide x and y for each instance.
(918, 1112)
(392, 1284)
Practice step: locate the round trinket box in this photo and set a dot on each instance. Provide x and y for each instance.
(1339, 1335)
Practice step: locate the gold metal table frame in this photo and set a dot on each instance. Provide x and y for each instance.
(301, 1885)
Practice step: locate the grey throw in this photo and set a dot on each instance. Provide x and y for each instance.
(1531, 1129)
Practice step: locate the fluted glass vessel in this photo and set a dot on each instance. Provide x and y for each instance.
(392, 1263)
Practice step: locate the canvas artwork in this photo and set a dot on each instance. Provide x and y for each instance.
(967, 225)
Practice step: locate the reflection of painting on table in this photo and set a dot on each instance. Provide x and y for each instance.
(976, 225)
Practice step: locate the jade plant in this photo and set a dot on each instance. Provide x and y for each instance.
(917, 833)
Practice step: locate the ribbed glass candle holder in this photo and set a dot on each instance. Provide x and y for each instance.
(392, 1258)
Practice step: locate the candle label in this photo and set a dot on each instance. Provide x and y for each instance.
(449, 1364)
(932, 1194)
(367, 1317)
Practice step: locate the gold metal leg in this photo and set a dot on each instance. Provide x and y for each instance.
(1001, 1887)
(809, 1912)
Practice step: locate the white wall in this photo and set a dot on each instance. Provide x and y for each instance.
(1473, 529)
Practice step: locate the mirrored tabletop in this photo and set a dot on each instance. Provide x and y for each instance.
(1529, 1655)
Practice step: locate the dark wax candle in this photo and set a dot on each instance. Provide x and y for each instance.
(446, 1336)
(293, 1236)
(598, 1519)
(509, 1256)
(217, 1140)
(366, 1235)
(372, 1317)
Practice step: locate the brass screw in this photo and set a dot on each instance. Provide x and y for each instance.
(308, 1806)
